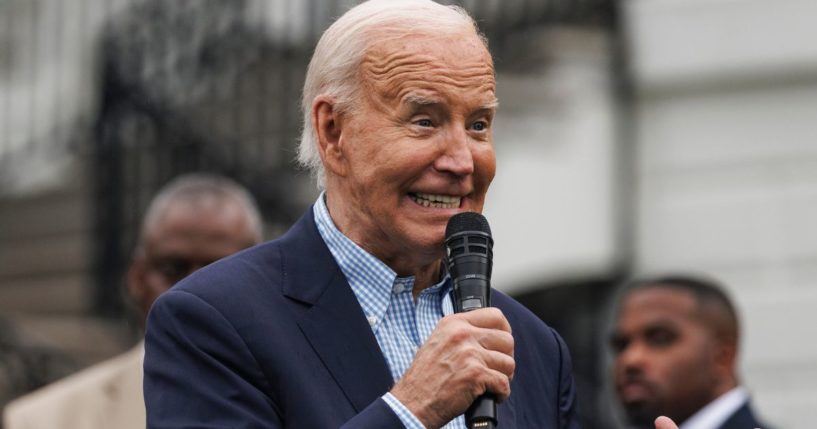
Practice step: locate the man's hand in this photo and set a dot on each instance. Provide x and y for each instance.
(665, 423)
(467, 355)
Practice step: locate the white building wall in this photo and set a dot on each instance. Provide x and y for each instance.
(552, 206)
(727, 173)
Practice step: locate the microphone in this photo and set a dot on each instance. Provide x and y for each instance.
(469, 259)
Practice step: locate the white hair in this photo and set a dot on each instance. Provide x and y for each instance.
(333, 70)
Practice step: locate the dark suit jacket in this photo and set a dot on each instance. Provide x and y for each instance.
(743, 418)
(274, 337)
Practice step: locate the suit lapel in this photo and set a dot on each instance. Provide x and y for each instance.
(332, 320)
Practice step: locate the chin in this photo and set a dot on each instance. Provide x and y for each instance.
(640, 416)
(432, 246)
(428, 243)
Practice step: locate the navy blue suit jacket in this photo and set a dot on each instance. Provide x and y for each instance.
(273, 337)
(743, 418)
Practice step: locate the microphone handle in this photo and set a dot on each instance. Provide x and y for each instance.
(482, 413)
(473, 292)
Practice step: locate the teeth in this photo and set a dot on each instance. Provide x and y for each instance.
(436, 201)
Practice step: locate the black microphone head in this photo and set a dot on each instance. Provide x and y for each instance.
(467, 221)
(469, 259)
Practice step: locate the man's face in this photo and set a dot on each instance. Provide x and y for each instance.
(665, 358)
(184, 238)
(419, 147)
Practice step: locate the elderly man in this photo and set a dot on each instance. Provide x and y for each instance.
(346, 320)
(193, 221)
(675, 344)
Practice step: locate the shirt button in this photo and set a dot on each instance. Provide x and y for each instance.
(372, 320)
(399, 288)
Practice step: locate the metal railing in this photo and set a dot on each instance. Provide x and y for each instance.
(149, 89)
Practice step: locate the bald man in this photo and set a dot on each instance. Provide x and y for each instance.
(676, 345)
(193, 221)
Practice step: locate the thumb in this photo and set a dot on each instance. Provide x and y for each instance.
(665, 423)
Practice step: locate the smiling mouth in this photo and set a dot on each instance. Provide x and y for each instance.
(436, 201)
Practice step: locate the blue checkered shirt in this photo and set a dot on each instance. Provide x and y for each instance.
(399, 324)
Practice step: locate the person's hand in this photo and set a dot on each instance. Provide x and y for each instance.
(665, 423)
(467, 355)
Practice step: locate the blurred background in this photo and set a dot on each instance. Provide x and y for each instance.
(633, 137)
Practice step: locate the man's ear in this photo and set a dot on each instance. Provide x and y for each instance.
(328, 129)
(726, 354)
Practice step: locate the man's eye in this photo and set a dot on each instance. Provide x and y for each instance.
(173, 269)
(424, 123)
(618, 344)
(479, 126)
(661, 338)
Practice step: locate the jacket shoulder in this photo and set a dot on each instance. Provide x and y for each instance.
(519, 316)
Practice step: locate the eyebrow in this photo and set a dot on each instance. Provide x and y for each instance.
(491, 105)
(423, 100)
(662, 323)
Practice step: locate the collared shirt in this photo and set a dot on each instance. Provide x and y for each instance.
(399, 324)
(718, 411)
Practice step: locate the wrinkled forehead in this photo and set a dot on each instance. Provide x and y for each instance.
(394, 64)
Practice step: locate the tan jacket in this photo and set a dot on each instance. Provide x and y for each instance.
(107, 395)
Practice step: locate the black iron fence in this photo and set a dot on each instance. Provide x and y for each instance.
(190, 86)
(168, 87)
(196, 86)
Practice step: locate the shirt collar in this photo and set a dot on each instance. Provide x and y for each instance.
(371, 280)
(718, 411)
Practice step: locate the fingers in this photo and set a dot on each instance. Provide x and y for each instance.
(500, 362)
(489, 318)
(487, 326)
(498, 381)
(487, 372)
(494, 340)
(467, 355)
(486, 347)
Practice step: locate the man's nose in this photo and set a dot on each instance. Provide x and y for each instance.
(633, 358)
(456, 156)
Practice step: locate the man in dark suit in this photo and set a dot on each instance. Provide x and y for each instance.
(346, 321)
(675, 345)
